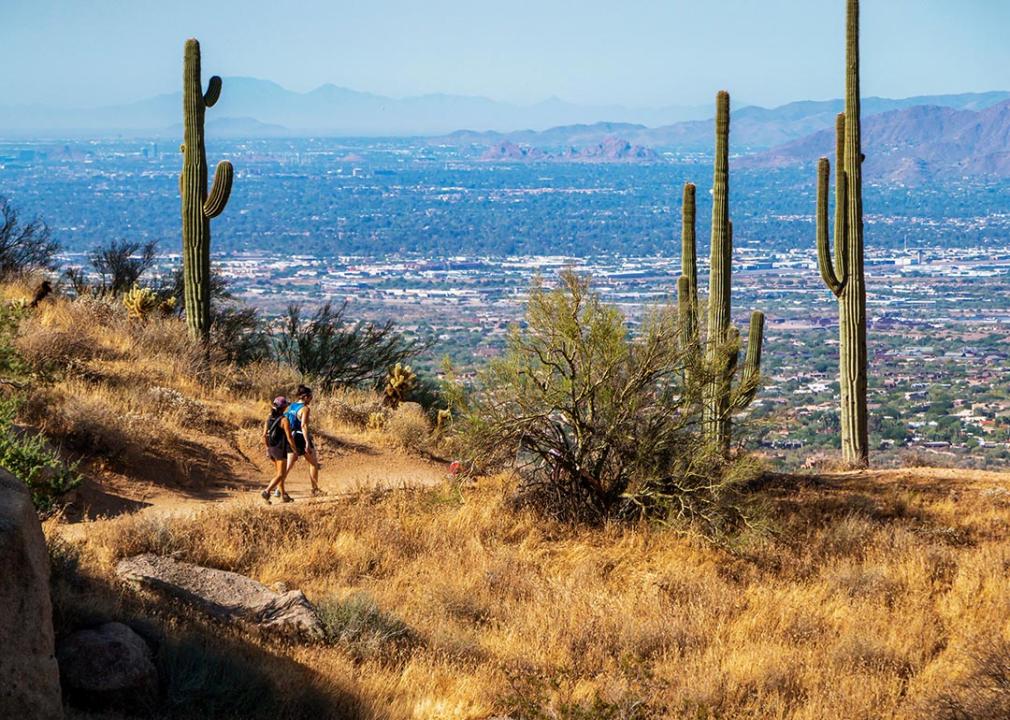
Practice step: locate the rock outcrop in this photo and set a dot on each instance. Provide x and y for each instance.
(226, 596)
(108, 666)
(29, 678)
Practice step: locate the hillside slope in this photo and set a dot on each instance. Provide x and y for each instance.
(122, 398)
(916, 144)
(873, 594)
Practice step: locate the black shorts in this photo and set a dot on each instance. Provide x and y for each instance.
(300, 444)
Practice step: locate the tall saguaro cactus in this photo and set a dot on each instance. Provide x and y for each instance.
(721, 347)
(198, 207)
(844, 274)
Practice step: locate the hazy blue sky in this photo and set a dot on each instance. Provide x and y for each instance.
(635, 52)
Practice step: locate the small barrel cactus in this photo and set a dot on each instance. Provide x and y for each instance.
(140, 302)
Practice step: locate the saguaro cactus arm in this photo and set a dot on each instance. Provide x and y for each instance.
(213, 91)
(824, 260)
(686, 311)
(841, 201)
(755, 339)
(220, 191)
(751, 377)
(688, 240)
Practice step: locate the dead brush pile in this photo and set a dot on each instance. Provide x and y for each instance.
(877, 596)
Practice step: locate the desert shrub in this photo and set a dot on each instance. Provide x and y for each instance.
(558, 697)
(169, 402)
(984, 694)
(174, 285)
(85, 424)
(599, 422)
(264, 379)
(12, 363)
(238, 334)
(31, 459)
(334, 351)
(359, 624)
(350, 407)
(24, 246)
(163, 342)
(408, 427)
(119, 265)
(49, 348)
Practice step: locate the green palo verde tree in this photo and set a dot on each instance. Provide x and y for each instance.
(198, 207)
(843, 273)
(721, 347)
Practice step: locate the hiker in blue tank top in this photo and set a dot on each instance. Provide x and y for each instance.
(298, 414)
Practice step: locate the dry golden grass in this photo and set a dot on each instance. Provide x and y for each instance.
(877, 596)
(129, 395)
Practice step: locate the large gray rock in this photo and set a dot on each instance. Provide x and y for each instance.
(227, 596)
(109, 665)
(29, 678)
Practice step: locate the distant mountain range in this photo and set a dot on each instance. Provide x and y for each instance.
(327, 110)
(906, 140)
(914, 144)
(611, 149)
(259, 108)
(753, 128)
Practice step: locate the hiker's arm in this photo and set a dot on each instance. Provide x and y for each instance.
(305, 426)
(266, 434)
(286, 424)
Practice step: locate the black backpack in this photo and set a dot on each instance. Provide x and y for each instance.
(275, 431)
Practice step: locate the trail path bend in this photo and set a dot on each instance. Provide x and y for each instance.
(344, 471)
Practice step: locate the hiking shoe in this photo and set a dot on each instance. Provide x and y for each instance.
(287, 498)
(277, 493)
(316, 492)
(266, 496)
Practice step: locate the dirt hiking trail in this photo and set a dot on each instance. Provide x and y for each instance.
(238, 472)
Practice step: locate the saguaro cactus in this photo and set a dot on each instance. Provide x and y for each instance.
(722, 342)
(198, 207)
(844, 274)
(687, 284)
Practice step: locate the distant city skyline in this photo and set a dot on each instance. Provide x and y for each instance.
(641, 54)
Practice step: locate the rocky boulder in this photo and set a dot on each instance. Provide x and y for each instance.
(226, 596)
(29, 678)
(108, 666)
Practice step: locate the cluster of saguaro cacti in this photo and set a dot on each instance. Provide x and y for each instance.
(198, 206)
(843, 273)
(720, 349)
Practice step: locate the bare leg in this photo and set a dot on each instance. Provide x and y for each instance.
(310, 456)
(281, 474)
